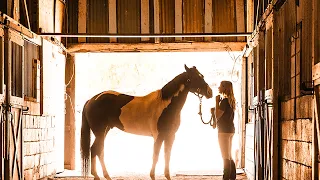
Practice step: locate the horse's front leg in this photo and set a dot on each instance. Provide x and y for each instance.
(168, 142)
(156, 149)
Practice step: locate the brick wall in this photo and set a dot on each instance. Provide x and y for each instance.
(39, 146)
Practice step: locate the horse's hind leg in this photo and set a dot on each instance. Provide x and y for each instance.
(97, 149)
(93, 159)
(156, 149)
(101, 157)
(168, 142)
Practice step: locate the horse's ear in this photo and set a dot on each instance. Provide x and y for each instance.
(186, 67)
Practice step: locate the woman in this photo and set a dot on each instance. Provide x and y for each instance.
(224, 111)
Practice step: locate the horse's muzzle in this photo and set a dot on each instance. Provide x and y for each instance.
(209, 93)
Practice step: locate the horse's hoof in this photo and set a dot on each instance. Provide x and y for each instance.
(167, 175)
(152, 176)
(107, 177)
(96, 178)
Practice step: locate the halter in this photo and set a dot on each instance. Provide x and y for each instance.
(212, 120)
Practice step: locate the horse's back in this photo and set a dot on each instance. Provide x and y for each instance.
(104, 109)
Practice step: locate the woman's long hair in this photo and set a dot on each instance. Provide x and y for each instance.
(228, 93)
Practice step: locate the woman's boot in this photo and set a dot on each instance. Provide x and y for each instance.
(226, 169)
(233, 171)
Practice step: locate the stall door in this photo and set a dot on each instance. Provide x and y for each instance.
(2, 125)
(13, 78)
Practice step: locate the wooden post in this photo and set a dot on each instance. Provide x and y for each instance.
(316, 134)
(261, 61)
(113, 19)
(145, 27)
(178, 18)
(240, 18)
(16, 10)
(82, 19)
(250, 15)
(70, 125)
(244, 100)
(315, 75)
(275, 106)
(156, 19)
(208, 19)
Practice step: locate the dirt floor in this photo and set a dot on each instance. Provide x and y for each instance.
(240, 176)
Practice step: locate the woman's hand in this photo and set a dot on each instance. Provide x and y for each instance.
(218, 98)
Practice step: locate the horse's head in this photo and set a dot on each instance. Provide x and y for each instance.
(197, 83)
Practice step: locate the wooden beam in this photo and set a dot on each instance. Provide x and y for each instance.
(178, 18)
(145, 25)
(156, 19)
(82, 19)
(240, 18)
(158, 47)
(208, 19)
(113, 19)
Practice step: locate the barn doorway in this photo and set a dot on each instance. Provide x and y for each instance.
(196, 146)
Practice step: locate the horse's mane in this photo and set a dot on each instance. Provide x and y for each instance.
(173, 86)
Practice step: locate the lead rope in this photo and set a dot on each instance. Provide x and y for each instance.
(212, 120)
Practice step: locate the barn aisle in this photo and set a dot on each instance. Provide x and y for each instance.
(190, 175)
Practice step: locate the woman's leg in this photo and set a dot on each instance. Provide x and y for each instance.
(233, 173)
(225, 148)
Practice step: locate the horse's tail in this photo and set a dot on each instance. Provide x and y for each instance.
(85, 143)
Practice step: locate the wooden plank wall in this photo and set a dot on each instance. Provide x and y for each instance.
(293, 54)
(282, 61)
(154, 16)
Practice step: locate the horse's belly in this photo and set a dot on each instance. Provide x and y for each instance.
(136, 126)
(138, 123)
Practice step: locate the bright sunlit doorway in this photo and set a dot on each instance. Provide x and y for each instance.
(196, 147)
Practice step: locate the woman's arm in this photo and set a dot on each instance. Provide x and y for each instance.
(219, 112)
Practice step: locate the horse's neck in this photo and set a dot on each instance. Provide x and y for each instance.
(175, 87)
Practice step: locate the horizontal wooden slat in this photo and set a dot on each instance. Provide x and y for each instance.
(250, 129)
(249, 169)
(296, 151)
(292, 170)
(299, 130)
(250, 142)
(249, 154)
(159, 47)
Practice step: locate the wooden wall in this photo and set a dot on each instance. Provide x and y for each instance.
(157, 17)
(284, 65)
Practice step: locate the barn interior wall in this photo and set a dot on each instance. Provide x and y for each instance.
(44, 134)
(43, 124)
(296, 106)
(292, 55)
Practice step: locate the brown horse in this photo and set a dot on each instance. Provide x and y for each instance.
(157, 115)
